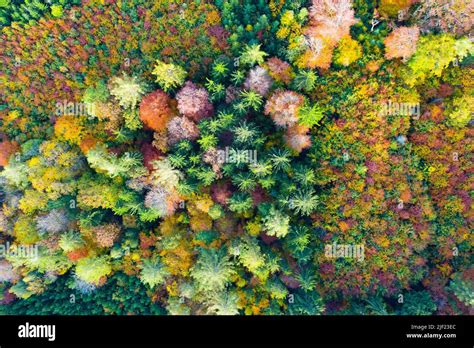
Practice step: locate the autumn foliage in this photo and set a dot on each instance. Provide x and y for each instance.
(156, 109)
(240, 157)
(401, 43)
(7, 148)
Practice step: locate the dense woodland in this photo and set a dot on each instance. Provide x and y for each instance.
(199, 157)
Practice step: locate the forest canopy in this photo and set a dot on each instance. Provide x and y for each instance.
(233, 157)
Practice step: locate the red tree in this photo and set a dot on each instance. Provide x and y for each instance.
(156, 110)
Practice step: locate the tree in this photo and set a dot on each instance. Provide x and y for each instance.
(392, 8)
(331, 19)
(249, 254)
(348, 51)
(30, 11)
(127, 165)
(449, 16)
(69, 128)
(212, 270)
(304, 202)
(463, 289)
(307, 279)
(305, 80)
(7, 148)
(223, 303)
(97, 93)
(32, 201)
(193, 102)
(106, 235)
(93, 270)
(376, 306)
(165, 174)
(306, 304)
(71, 241)
(317, 51)
(418, 303)
(240, 202)
(276, 223)
(280, 159)
(297, 138)
(127, 90)
(168, 76)
(54, 221)
(459, 111)
(259, 81)
(310, 115)
(251, 99)
(279, 70)
(25, 230)
(153, 272)
(156, 110)
(276, 288)
(283, 107)
(252, 55)
(245, 182)
(7, 272)
(245, 133)
(401, 43)
(163, 201)
(433, 55)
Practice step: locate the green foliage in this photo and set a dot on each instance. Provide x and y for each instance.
(16, 174)
(376, 306)
(276, 223)
(127, 90)
(127, 165)
(307, 279)
(220, 69)
(418, 303)
(305, 80)
(132, 120)
(70, 241)
(249, 254)
(310, 115)
(276, 289)
(153, 272)
(245, 133)
(97, 93)
(463, 290)
(252, 55)
(433, 55)
(29, 11)
(306, 304)
(212, 270)
(304, 202)
(168, 76)
(240, 202)
(251, 99)
(21, 291)
(280, 159)
(93, 269)
(223, 303)
(165, 174)
(57, 11)
(121, 295)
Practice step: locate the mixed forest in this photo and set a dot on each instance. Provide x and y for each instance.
(233, 157)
